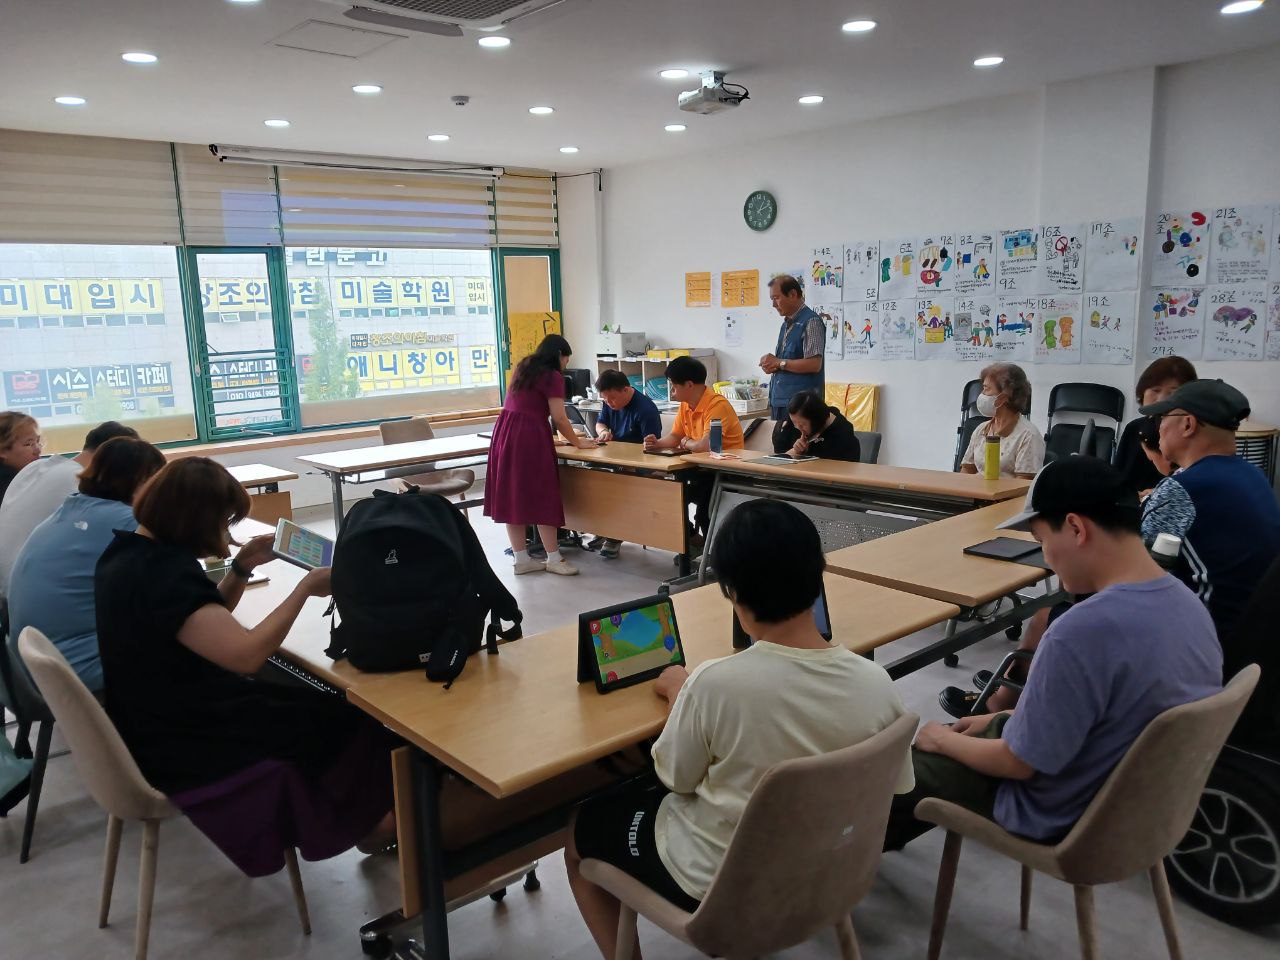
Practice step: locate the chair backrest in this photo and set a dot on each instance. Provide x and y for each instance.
(964, 433)
(105, 764)
(21, 695)
(969, 397)
(1255, 638)
(1087, 398)
(1145, 806)
(759, 437)
(868, 446)
(806, 849)
(1086, 438)
(406, 431)
(1065, 439)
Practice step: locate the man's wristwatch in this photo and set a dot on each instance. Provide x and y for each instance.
(782, 365)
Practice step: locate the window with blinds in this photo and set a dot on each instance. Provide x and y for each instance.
(526, 210)
(226, 204)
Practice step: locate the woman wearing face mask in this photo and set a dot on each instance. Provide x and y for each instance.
(1005, 392)
(1138, 453)
(814, 429)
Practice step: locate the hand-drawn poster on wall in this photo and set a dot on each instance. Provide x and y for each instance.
(1274, 243)
(1241, 242)
(1235, 322)
(897, 329)
(860, 333)
(975, 264)
(826, 275)
(1273, 322)
(1058, 330)
(1176, 327)
(1112, 253)
(975, 324)
(1017, 263)
(1180, 254)
(936, 270)
(897, 269)
(862, 271)
(1062, 258)
(1015, 328)
(1108, 324)
(832, 315)
(935, 328)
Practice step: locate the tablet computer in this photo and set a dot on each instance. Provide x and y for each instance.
(302, 547)
(667, 452)
(784, 459)
(628, 643)
(1003, 548)
(821, 617)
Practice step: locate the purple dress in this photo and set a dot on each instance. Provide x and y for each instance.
(523, 482)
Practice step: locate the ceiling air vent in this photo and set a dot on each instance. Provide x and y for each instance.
(447, 17)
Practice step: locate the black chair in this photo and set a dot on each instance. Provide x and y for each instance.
(970, 419)
(868, 446)
(28, 706)
(1063, 439)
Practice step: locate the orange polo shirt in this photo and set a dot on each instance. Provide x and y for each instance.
(695, 422)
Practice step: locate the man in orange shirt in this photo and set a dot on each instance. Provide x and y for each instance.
(699, 405)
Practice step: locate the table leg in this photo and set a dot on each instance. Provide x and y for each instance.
(335, 481)
(435, 919)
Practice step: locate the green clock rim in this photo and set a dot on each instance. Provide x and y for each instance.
(746, 212)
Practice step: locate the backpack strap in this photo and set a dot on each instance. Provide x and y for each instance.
(496, 601)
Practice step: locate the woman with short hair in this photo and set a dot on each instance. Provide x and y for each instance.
(1006, 392)
(1138, 452)
(814, 429)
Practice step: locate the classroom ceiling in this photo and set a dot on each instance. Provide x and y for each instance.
(219, 75)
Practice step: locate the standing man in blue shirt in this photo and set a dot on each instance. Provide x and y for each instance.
(627, 416)
(796, 362)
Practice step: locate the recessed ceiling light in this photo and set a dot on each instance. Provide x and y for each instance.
(541, 111)
(568, 149)
(494, 43)
(276, 123)
(1241, 6)
(70, 101)
(139, 57)
(858, 26)
(810, 99)
(246, 2)
(291, 209)
(438, 137)
(368, 89)
(675, 73)
(988, 61)
(675, 128)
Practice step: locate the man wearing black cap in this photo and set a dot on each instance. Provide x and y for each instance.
(1138, 646)
(1219, 504)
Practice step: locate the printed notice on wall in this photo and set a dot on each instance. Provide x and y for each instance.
(740, 288)
(697, 289)
(975, 264)
(1015, 328)
(1057, 330)
(1241, 242)
(734, 329)
(1180, 254)
(897, 329)
(826, 275)
(1176, 327)
(1109, 324)
(935, 328)
(897, 269)
(862, 271)
(1112, 254)
(975, 324)
(1062, 258)
(1235, 322)
(1018, 272)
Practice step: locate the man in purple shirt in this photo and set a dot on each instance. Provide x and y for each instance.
(1105, 669)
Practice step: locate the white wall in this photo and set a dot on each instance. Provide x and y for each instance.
(1123, 144)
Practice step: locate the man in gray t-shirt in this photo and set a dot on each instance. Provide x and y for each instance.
(1140, 645)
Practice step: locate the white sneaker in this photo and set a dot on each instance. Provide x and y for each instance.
(529, 565)
(564, 568)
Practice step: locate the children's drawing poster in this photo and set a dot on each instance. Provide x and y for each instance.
(1180, 255)
(1241, 242)
(935, 328)
(1235, 322)
(1108, 325)
(1274, 242)
(1112, 253)
(1017, 263)
(1273, 322)
(826, 275)
(936, 270)
(862, 271)
(897, 329)
(1015, 328)
(975, 268)
(1057, 329)
(1177, 325)
(898, 264)
(975, 328)
(860, 331)
(833, 316)
(1062, 257)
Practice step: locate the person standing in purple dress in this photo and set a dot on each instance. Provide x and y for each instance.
(523, 482)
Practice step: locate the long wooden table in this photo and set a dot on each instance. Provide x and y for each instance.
(370, 464)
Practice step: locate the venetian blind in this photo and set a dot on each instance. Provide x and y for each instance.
(226, 204)
(526, 210)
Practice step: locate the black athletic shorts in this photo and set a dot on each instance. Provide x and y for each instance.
(618, 829)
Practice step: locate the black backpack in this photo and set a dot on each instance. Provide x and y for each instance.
(412, 588)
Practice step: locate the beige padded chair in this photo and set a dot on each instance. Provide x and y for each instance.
(804, 853)
(761, 439)
(1141, 813)
(447, 483)
(113, 778)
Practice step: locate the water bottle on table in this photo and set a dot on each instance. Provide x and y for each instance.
(991, 458)
(716, 436)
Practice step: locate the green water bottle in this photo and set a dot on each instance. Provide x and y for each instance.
(991, 457)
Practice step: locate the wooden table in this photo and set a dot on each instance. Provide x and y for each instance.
(370, 464)
(270, 503)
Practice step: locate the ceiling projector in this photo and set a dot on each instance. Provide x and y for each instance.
(713, 96)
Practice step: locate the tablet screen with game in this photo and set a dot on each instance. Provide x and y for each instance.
(629, 643)
(302, 547)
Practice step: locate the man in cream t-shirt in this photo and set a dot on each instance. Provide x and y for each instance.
(791, 694)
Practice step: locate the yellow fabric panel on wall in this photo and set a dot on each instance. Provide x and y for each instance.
(527, 331)
(860, 403)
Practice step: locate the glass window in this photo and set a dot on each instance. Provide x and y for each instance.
(91, 333)
(380, 333)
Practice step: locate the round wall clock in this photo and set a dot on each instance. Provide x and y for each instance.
(760, 210)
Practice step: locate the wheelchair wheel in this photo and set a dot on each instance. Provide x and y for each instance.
(1228, 864)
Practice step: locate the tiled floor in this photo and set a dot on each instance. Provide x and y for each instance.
(207, 909)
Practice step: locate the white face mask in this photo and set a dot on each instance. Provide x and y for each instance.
(986, 405)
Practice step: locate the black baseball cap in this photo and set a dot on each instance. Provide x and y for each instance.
(1074, 484)
(1216, 403)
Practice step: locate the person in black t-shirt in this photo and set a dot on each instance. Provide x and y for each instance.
(1138, 452)
(816, 430)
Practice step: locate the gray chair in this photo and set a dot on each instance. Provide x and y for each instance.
(868, 446)
(114, 780)
(1138, 816)
(24, 700)
(446, 483)
(804, 854)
